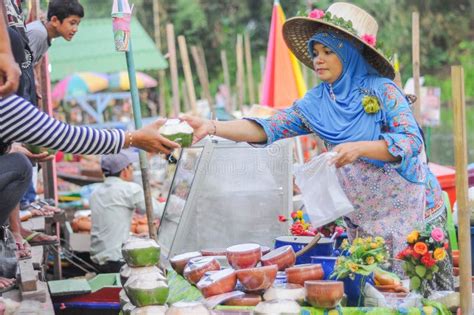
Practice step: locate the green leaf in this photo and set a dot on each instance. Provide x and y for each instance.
(429, 276)
(420, 270)
(435, 268)
(415, 283)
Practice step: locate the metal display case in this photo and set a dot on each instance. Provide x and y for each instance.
(224, 193)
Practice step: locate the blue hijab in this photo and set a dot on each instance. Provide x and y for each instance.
(343, 119)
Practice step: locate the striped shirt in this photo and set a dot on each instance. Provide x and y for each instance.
(20, 121)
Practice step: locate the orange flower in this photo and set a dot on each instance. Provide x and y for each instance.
(420, 248)
(439, 254)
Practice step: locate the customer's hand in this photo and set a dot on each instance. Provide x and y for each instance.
(346, 153)
(9, 75)
(41, 157)
(149, 139)
(202, 127)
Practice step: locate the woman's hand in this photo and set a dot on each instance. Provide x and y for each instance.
(202, 127)
(346, 153)
(149, 139)
(40, 157)
(9, 74)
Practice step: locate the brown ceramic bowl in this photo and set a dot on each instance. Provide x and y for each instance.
(258, 278)
(455, 258)
(178, 262)
(265, 250)
(213, 252)
(244, 255)
(218, 282)
(301, 273)
(283, 257)
(324, 293)
(197, 267)
(245, 300)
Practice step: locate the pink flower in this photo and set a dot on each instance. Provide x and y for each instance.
(316, 14)
(339, 230)
(437, 234)
(369, 39)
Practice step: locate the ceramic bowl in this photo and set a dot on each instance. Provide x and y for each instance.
(324, 293)
(300, 273)
(244, 255)
(213, 252)
(455, 258)
(178, 262)
(283, 257)
(245, 300)
(218, 282)
(197, 267)
(257, 279)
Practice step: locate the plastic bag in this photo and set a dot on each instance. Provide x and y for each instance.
(322, 195)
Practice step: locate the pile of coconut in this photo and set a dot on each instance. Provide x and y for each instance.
(145, 289)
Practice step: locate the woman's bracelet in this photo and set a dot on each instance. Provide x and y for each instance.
(215, 128)
(129, 136)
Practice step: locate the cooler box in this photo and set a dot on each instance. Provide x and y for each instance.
(447, 179)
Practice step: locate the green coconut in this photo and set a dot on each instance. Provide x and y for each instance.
(127, 272)
(178, 131)
(35, 149)
(141, 252)
(146, 289)
(123, 298)
(127, 309)
(150, 310)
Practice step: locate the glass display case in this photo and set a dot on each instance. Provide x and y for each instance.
(224, 193)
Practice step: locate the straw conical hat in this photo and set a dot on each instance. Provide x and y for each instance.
(341, 18)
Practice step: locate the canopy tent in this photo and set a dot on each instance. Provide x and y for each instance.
(283, 82)
(92, 49)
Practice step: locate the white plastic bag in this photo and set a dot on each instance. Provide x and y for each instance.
(322, 195)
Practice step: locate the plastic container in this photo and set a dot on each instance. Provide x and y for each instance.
(327, 263)
(447, 179)
(325, 247)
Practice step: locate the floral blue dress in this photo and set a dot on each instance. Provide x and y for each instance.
(390, 199)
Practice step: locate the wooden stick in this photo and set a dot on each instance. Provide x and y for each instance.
(173, 68)
(261, 60)
(187, 106)
(416, 63)
(240, 73)
(225, 69)
(203, 79)
(161, 73)
(248, 62)
(187, 73)
(464, 213)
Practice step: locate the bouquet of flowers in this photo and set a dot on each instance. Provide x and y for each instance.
(299, 227)
(329, 229)
(424, 250)
(362, 257)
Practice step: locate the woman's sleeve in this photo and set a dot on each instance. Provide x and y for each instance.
(284, 124)
(401, 132)
(20, 121)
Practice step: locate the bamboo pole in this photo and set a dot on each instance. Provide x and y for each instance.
(416, 63)
(187, 73)
(464, 213)
(186, 105)
(203, 79)
(173, 67)
(248, 62)
(161, 73)
(261, 60)
(240, 72)
(225, 69)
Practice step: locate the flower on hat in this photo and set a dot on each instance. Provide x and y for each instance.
(316, 14)
(369, 39)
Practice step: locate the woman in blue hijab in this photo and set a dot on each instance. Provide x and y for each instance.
(361, 114)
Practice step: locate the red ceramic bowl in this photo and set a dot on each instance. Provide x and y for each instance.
(244, 255)
(245, 300)
(218, 282)
(455, 258)
(324, 293)
(283, 257)
(178, 262)
(197, 267)
(301, 273)
(257, 279)
(213, 252)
